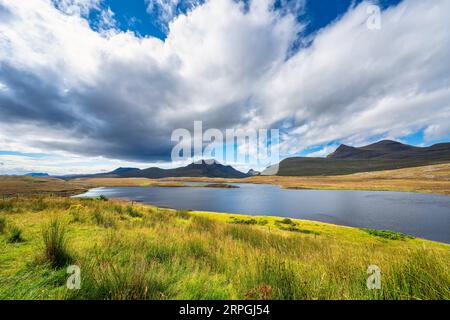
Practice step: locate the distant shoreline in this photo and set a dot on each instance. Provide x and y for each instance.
(433, 179)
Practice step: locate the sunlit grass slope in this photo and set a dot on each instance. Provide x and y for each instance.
(134, 251)
(17, 186)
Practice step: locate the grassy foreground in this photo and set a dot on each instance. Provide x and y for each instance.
(134, 251)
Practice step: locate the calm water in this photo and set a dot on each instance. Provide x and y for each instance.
(421, 215)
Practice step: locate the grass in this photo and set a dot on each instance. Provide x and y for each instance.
(391, 235)
(152, 253)
(2, 224)
(54, 236)
(243, 221)
(24, 186)
(287, 224)
(15, 235)
(102, 197)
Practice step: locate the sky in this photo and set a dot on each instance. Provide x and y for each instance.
(90, 85)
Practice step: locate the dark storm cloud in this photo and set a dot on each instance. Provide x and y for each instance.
(33, 98)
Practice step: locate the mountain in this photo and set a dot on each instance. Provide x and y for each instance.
(382, 155)
(123, 171)
(208, 168)
(393, 150)
(347, 152)
(386, 149)
(203, 168)
(252, 173)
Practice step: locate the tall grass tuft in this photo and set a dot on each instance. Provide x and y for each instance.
(280, 274)
(183, 214)
(102, 198)
(104, 219)
(423, 275)
(132, 212)
(203, 224)
(2, 224)
(15, 235)
(54, 235)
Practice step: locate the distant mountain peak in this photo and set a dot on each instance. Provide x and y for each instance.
(252, 172)
(208, 162)
(122, 170)
(344, 147)
(344, 151)
(386, 149)
(387, 143)
(388, 146)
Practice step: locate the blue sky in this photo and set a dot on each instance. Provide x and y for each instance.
(117, 77)
(133, 14)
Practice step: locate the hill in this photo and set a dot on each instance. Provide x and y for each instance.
(383, 155)
(388, 149)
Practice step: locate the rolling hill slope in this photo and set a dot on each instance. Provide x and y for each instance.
(383, 155)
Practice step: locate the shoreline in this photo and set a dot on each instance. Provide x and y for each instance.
(262, 216)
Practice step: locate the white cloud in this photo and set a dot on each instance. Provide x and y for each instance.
(354, 83)
(167, 10)
(107, 20)
(77, 7)
(438, 130)
(71, 89)
(323, 152)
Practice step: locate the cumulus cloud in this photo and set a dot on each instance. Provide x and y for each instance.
(323, 152)
(77, 7)
(353, 83)
(66, 88)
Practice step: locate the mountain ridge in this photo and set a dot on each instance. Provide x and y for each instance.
(378, 156)
(201, 168)
(381, 155)
(389, 149)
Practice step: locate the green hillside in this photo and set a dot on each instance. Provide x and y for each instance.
(384, 155)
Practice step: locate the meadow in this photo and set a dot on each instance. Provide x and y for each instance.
(133, 251)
